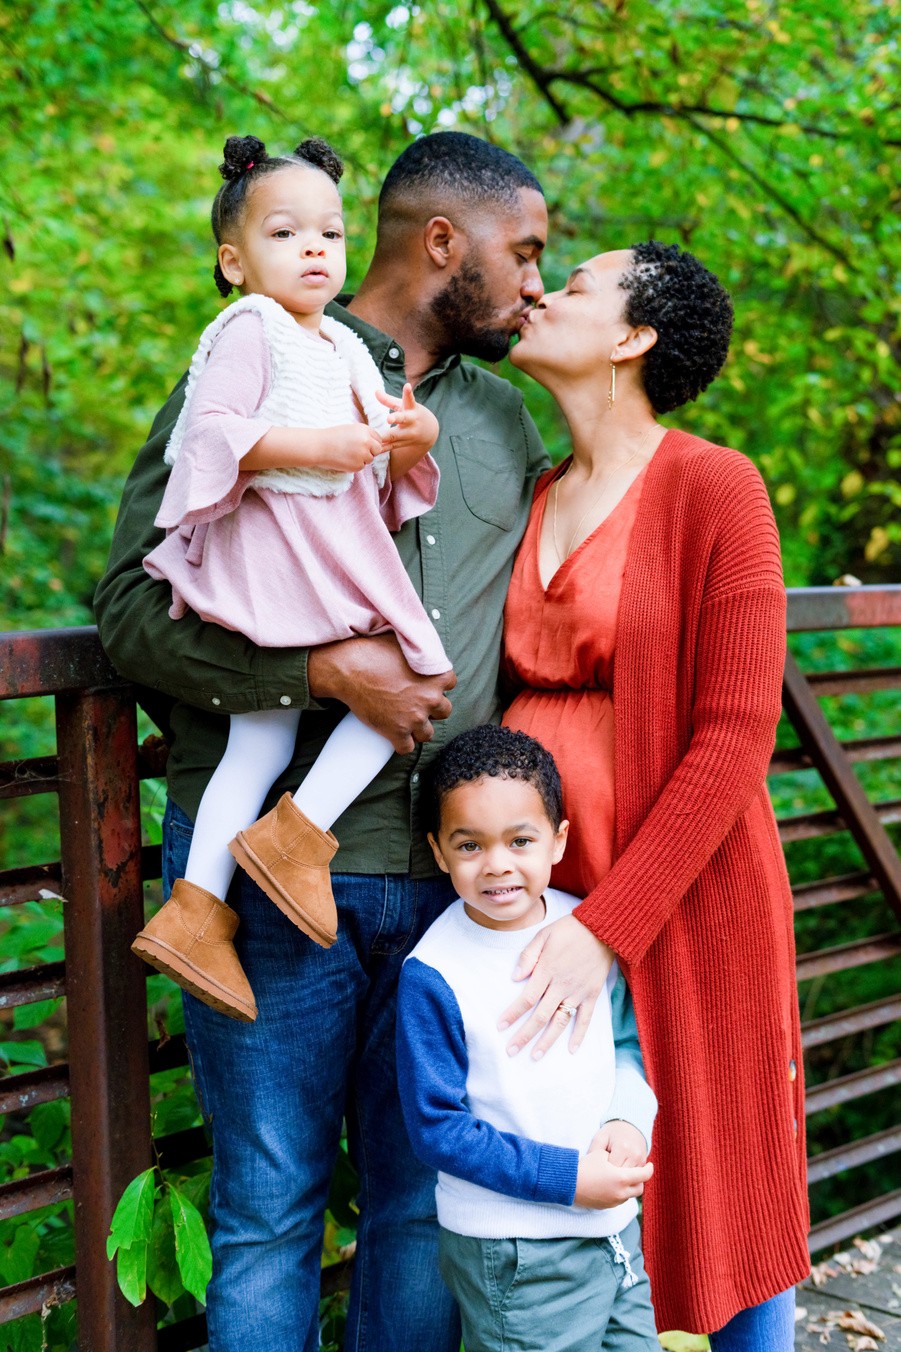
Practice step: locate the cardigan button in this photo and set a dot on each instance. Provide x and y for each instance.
(216, 700)
(792, 1070)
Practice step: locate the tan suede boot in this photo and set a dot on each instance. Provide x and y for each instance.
(190, 940)
(288, 856)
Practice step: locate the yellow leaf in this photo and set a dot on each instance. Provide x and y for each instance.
(852, 483)
(883, 349)
(732, 124)
(18, 285)
(684, 1342)
(785, 494)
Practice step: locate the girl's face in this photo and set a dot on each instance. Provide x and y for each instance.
(574, 332)
(291, 245)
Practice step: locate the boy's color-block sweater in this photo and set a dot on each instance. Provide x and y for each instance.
(506, 1133)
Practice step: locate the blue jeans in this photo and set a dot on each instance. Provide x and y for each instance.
(769, 1326)
(275, 1092)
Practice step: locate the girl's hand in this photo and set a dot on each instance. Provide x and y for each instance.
(349, 448)
(565, 964)
(601, 1184)
(346, 449)
(624, 1144)
(414, 430)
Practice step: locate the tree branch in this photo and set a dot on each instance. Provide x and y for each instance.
(536, 73)
(543, 78)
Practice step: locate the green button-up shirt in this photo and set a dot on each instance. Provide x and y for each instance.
(459, 557)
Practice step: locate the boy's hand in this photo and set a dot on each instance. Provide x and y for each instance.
(623, 1143)
(600, 1184)
(414, 430)
(348, 448)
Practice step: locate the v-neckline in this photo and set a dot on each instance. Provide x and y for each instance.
(561, 469)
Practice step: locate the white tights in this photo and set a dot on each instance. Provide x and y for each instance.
(260, 748)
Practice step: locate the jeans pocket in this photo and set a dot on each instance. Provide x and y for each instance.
(508, 1268)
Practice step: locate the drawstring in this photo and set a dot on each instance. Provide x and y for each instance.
(621, 1255)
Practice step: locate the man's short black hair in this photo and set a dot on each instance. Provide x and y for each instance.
(675, 294)
(492, 750)
(453, 164)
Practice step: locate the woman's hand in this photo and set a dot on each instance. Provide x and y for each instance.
(600, 1183)
(414, 430)
(565, 964)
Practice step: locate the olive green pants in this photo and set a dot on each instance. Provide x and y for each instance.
(550, 1295)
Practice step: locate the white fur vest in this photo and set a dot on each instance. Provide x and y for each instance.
(312, 385)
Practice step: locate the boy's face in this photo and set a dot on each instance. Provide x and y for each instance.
(498, 845)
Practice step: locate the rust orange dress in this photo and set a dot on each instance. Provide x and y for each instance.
(560, 644)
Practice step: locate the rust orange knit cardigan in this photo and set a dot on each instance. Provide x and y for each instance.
(698, 904)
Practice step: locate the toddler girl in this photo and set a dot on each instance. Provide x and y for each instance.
(278, 512)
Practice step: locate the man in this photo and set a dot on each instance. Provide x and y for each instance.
(461, 228)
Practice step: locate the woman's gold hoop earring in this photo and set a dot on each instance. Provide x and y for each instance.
(611, 395)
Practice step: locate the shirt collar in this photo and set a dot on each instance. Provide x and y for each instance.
(387, 354)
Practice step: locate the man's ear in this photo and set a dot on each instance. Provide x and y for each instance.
(442, 241)
(439, 857)
(230, 263)
(560, 842)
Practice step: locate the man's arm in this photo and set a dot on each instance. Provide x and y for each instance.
(208, 666)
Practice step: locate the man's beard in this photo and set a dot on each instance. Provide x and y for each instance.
(464, 311)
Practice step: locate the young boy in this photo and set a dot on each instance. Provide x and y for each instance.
(540, 1161)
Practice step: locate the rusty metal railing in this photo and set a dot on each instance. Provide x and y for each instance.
(96, 773)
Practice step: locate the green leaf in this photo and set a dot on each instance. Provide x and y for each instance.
(23, 1335)
(49, 1122)
(133, 1217)
(30, 1016)
(131, 1272)
(163, 1276)
(343, 1192)
(23, 1054)
(17, 1258)
(192, 1247)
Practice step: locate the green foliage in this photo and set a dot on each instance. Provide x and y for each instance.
(192, 1248)
(130, 1235)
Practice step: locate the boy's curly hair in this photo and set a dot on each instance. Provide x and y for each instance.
(675, 294)
(492, 750)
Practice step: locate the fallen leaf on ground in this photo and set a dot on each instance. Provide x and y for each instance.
(855, 1321)
(869, 1248)
(862, 1344)
(821, 1273)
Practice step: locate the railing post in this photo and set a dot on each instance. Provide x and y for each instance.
(106, 991)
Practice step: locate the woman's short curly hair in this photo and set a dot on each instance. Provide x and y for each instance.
(494, 751)
(672, 292)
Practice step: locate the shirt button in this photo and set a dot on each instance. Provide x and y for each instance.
(436, 614)
(216, 699)
(284, 699)
(393, 352)
(430, 539)
(792, 1070)
(416, 778)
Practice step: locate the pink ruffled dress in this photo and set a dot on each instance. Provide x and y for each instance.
(281, 565)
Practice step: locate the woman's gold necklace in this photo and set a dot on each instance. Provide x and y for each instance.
(572, 539)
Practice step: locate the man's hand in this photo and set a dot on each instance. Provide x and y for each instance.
(372, 677)
(601, 1183)
(624, 1144)
(565, 964)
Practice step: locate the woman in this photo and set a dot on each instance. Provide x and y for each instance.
(664, 546)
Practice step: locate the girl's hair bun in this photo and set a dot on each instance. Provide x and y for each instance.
(241, 153)
(319, 153)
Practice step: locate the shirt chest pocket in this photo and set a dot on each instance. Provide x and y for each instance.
(491, 478)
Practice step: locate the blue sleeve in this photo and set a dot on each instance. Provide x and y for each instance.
(432, 1065)
(633, 1098)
